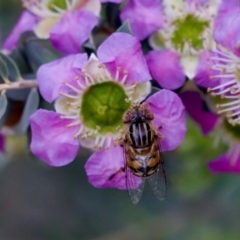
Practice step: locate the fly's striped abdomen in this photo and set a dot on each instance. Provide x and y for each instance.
(144, 166)
(140, 135)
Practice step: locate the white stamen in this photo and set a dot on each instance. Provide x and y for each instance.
(69, 117)
(125, 75)
(78, 132)
(68, 95)
(223, 76)
(228, 104)
(58, 9)
(228, 109)
(73, 88)
(69, 6)
(75, 123)
(117, 74)
(223, 85)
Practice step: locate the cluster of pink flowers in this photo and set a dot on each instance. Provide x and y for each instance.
(191, 53)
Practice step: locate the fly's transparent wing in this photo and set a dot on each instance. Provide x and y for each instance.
(135, 185)
(158, 182)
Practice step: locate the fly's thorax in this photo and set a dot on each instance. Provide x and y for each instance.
(140, 134)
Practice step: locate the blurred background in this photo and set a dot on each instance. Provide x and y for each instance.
(38, 202)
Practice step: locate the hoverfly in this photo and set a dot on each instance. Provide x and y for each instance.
(143, 159)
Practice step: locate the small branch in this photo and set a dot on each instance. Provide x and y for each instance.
(18, 85)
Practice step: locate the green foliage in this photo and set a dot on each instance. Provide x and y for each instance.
(3, 104)
(193, 176)
(11, 71)
(125, 28)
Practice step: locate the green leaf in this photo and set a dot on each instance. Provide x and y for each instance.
(3, 104)
(89, 45)
(30, 107)
(3, 70)
(13, 71)
(41, 51)
(126, 28)
(21, 61)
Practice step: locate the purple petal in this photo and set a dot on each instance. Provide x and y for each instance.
(104, 164)
(226, 7)
(195, 108)
(26, 22)
(227, 30)
(52, 141)
(199, 2)
(223, 165)
(50, 76)
(73, 30)
(123, 50)
(169, 118)
(2, 143)
(166, 69)
(204, 71)
(145, 17)
(114, 1)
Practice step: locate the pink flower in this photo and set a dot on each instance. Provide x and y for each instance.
(179, 43)
(90, 96)
(57, 21)
(219, 72)
(224, 164)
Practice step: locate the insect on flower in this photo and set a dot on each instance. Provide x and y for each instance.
(143, 158)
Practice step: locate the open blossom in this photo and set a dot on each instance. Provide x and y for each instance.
(223, 66)
(186, 34)
(67, 23)
(169, 120)
(220, 74)
(90, 96)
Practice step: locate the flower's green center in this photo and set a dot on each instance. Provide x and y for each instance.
(103, 106)
(189, 30)
(234, 131)
(58, 3)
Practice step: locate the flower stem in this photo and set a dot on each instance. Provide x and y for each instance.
(18, 85)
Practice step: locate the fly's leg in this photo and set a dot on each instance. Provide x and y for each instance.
(119, 141)
(158, 135)
(122, 169)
